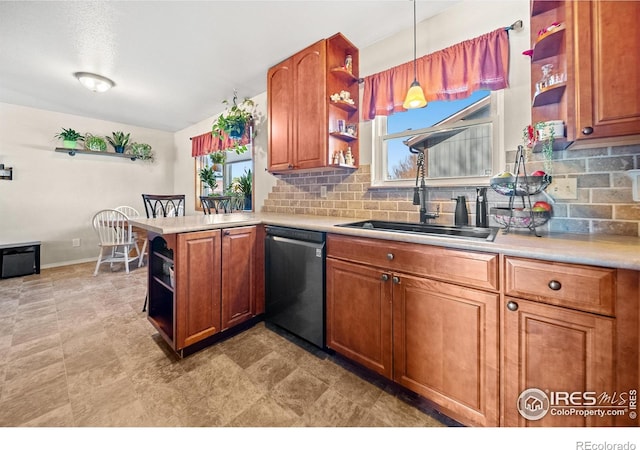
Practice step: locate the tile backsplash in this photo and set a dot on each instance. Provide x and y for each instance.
(604, 204)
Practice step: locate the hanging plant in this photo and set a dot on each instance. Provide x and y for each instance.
(233, 122)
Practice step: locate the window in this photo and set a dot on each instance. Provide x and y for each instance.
(234, 166)
(460, 140)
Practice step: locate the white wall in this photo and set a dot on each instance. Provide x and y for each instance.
(53, 196)
(460, 22)
(185, 166)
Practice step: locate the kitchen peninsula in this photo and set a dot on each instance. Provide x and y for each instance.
(493, 318)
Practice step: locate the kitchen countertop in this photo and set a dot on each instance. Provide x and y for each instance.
(593, 249)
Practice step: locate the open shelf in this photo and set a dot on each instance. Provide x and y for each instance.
(540, 6)
(73, 152)
(344, 136)
(549, 95)
(549, 44)
(345, 106)
(344, 74)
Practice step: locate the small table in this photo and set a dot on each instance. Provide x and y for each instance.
(19, 259)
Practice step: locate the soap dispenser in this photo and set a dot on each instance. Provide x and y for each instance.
(481, 207)
(461, 214)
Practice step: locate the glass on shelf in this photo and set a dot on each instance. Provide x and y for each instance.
(544, 82)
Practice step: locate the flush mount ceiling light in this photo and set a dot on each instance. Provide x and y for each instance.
(415, 96)
(94, 82)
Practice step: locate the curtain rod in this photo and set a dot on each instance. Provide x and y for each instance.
(517, 25)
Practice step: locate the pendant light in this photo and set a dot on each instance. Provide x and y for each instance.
(415, 96)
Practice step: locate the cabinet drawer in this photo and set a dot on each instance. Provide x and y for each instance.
(479, 270)
(584, 288)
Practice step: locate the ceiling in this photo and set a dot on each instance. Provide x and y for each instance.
(173, 62)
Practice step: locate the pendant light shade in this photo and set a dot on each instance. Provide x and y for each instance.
(415, 96)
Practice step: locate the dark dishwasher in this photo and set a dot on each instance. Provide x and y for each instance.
(295, 281)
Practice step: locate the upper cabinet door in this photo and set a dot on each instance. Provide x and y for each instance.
(310, 112)
(607, 71)
(280, 112)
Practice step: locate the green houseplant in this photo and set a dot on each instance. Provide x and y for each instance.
(69, 137)
(118, 140)
(208, 177)
(141, 151)
(233, 122)
(218, 159)
(243, 185)
(95, 143)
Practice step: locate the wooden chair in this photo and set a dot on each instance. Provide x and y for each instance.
(131, 212)
(163, 205)
(114, 231)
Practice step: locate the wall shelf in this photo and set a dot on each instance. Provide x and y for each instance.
(344, 136)
(349, 107)
(72, 152)
(344, 74)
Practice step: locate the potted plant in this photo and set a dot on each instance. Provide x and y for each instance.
(95, 143)
(243, 185)
(141, 151)
(118, 140)
(69, 137)
(208, 177)
(218, 159)
(233, 122)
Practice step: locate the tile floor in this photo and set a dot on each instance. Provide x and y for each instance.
(76, 351)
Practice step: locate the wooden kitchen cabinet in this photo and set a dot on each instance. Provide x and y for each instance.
(301, 116)
(445, 346)
(359, 310)
(198, 286)
(238, 275)
(216, 285)
(555, 349)
(600, 99)
(433, 335)
(569, 328)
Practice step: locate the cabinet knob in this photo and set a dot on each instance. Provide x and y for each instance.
(587, 130)
(227, 232)
(290, 166)
(390, 256)
(396, 280)
(555, 285)
(512, 306)
(384, 277)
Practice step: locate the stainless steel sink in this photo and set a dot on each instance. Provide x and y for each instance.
(473, 233)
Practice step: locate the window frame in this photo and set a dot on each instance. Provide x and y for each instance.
(379, 163)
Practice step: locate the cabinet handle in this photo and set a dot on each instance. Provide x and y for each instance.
(396, 280)
(390, 256)
(587, 130)
(512, 306)
(555, 285)
(384, 277)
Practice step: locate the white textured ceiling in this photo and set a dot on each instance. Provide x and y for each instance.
(173, 62)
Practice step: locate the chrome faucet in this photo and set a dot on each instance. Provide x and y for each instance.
(420, 193)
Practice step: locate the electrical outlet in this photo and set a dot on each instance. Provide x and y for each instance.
(323, 191)
(564, 188)
(75, 242)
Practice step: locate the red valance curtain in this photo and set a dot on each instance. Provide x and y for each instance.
(449, 74)
(206, 143)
